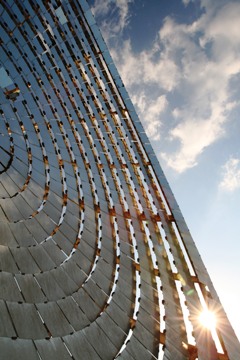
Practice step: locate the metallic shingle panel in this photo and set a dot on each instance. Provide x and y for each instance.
(96, 259)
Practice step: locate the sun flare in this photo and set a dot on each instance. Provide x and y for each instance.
(207, 319)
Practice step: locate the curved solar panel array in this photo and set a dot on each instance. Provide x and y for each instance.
(96, 261)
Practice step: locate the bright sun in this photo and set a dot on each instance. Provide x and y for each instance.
(207, 319)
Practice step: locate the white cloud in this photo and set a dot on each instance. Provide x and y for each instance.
(190, 66)
(144, 68)
(150, 111)
(101, 7)
(186, 2)
(207, 65)
(194, 137)
(231, 175)
(123, 6)
(113, 16)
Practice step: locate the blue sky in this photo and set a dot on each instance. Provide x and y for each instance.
(180, 61)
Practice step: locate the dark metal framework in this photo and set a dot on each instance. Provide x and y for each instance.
(96, 261)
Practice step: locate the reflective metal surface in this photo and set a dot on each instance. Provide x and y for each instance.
(96, 261)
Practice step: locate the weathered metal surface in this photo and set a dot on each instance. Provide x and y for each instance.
(96, 260)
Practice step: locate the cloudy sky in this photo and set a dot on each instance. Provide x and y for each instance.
(180, 61)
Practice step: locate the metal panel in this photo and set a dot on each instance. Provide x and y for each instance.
(52, 349)
(9, 289)
(54, 319)
(6, 326)
(78, 345)
(96, 259)
(18, 349)
(30, 289)
(26, 320)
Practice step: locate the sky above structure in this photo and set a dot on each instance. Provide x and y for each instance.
(180, 62)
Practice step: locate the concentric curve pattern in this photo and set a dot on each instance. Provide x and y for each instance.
(96, 261)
